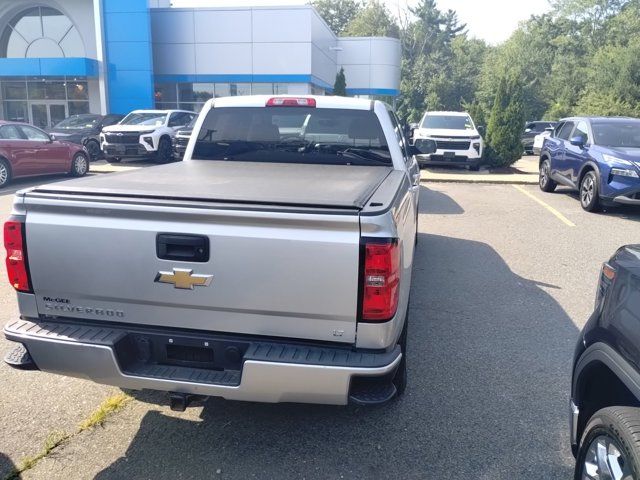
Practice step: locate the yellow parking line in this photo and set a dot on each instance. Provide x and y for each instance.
(561, 217)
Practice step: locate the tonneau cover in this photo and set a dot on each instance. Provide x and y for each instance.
(337, 186)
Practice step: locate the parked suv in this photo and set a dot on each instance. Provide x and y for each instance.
(605, 392)
(599, 157)
(531, 130)
(144, 133)
(84, 130)
(458, 141)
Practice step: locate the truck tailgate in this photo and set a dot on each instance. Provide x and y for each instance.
(273, 273)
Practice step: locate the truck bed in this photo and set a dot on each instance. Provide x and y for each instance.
(334, 186)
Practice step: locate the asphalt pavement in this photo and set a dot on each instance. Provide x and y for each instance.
(503, 279)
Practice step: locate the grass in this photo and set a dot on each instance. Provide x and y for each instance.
(110, 406)
(98, 417)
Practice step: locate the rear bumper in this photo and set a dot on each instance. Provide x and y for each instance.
(268, 371)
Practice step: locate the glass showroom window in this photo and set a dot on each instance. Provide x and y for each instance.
(41, 32)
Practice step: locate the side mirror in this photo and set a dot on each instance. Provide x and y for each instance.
(481, 130)
(52, 137)
(577, 142)
(424, 147)
(549, 129)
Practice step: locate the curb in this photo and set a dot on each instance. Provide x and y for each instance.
(487, 181)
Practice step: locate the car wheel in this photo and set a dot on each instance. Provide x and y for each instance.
(5, 173)
(113, 159)
(545, 181)
(589, 192)
(79, 165)
(93, 148)
(400, 377)
(165, 153)
(610, 446)
(474, 168)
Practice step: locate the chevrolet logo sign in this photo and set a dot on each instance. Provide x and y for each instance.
(184, 279)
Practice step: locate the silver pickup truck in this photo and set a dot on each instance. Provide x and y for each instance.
(272, 265)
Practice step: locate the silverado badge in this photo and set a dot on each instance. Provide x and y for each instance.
(184, 278)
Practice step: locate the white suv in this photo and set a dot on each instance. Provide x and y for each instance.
(457, 140)
(144, 133)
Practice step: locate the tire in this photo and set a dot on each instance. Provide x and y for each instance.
(165, 151)
(590, 192)
(5, 173)
(113, 159)
(616, 431)
(474, 168)
(400, 377)
(93, 147)
(79, 165)
(545, 181)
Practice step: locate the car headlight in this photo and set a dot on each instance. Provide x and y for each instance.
(611, 160)
(624, 172)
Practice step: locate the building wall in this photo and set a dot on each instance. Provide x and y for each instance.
(371, 65)
(127, 47)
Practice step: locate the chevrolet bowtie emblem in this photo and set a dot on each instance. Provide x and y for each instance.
(184, 278)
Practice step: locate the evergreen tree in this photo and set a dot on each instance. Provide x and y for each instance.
(505, 123)
(340, 85)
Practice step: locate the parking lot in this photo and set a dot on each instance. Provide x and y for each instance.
(503, 280)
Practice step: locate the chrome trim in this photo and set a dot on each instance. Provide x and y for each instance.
(626, 200)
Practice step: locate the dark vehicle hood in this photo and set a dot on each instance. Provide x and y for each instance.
(71, 132)
(303, 185)
(628, 257)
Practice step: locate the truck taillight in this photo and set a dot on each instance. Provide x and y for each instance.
(291, 102)
(381, 280)
(14, 243)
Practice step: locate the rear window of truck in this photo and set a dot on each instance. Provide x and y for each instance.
(292, 135)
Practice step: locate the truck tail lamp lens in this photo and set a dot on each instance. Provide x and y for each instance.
(14, 243)
(291, 102)
(381, 280)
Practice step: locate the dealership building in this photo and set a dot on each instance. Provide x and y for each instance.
(65, 57)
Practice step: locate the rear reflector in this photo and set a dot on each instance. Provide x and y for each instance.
(14, 243)
(608, 271)
(291, 102)
(381, 279)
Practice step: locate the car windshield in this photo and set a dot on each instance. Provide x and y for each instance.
(617, 134)
(76, 122)
(144, 118)
(292, 135)
(448, 122)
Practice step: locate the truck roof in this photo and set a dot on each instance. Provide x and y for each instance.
(322, 101)
(449, 114)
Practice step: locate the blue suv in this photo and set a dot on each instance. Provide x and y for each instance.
(599, 157)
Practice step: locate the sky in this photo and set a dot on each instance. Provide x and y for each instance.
(490, 20)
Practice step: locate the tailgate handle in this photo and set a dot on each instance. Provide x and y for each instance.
(182, 248)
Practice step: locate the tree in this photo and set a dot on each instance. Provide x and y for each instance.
(374, 20)
(340, 85)
(505, 124)
(337, 13)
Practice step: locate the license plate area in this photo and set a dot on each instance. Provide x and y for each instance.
(121, 149)
(157, 349)
(449, 155)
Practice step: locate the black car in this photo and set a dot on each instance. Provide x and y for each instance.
(180, 142)
(85, 130)
(605, 392)
(532, 129)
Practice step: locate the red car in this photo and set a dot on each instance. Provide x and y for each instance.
(27, 151)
